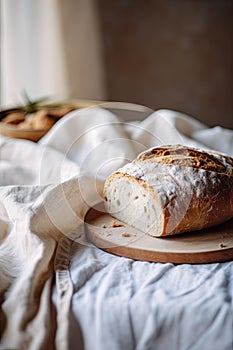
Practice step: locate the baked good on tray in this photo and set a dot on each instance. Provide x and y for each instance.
(172, 189)
(33, 119)
(41, 119)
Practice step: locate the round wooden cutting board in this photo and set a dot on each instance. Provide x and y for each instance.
(210, 245)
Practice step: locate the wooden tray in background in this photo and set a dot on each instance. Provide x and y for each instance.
(206, 246)
(11, 130)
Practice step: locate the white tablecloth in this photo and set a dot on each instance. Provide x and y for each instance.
(59, 291)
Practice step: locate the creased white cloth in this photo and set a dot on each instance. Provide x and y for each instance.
(97, 300)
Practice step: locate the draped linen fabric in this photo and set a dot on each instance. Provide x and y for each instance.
(58, 291)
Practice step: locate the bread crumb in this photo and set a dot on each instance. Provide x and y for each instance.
(125, 234)
(221, 245)
(104, 226)
(116, 224)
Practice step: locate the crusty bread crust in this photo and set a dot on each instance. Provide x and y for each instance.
(194, 187)
(186, 156)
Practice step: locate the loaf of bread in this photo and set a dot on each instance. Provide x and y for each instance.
(172, 189)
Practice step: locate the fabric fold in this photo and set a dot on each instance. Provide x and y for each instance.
(54, 287)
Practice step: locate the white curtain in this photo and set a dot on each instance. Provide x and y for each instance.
(51, 48)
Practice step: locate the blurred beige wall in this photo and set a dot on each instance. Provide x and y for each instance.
(171, 54)
(174, 54)
(82, 42)
(51, 48)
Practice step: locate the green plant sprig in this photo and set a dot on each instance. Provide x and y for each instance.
(31, 106)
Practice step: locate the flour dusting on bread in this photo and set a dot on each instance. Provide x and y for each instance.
(172, 189)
